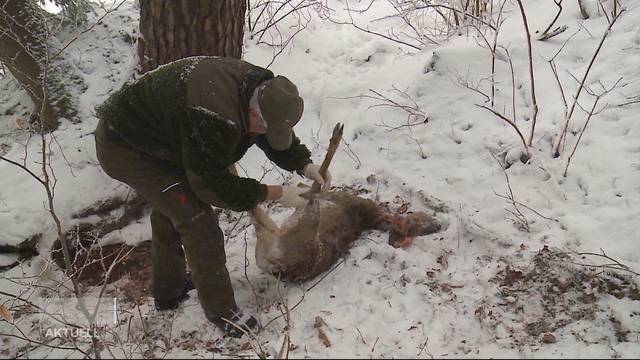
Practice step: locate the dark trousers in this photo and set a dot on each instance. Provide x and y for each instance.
(182, 217)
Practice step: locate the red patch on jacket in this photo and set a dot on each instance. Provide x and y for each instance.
(182, 198)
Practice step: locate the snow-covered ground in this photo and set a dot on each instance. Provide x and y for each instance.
(499, 281)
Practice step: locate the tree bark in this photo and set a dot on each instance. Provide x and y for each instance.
(23, 50)
(175, 29)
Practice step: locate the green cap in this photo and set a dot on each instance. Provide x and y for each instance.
(281, 107)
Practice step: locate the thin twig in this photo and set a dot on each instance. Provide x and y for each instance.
(566, 168)
(23, 168)
(107, 275)
(527, 207)
(388, 37)
(513, 84)
(513, 125)
(306, 291)
(563, 133)
(61, 321)
(246, 275)
(325, 275)
(373, 348)
(604, 255)
(5, 335)
(424, 347)
(554, 69)
(361, 337)
(87, 29)
(544, 33)
(456, 11)
(511, 197)
(284, 310)
(557, 31)
(532, 78)
(493, 47)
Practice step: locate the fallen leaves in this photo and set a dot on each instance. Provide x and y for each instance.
(5, 314)
(511, 276)
(548, 338)
(21, 124)
(319, 323)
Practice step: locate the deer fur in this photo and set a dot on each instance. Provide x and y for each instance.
(316, 236)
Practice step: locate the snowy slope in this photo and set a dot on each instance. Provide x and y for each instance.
(484, 286)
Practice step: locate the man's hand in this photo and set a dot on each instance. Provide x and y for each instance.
(312, 172)
(291, 196)
(288, 196)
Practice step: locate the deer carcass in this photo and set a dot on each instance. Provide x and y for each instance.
(316, 236)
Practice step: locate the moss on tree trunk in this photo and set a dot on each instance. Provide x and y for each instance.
(24, 52)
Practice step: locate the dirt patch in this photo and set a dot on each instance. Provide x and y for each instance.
(92, 262)
(549, 293)
(112, 214)
(25, 250)
(128, 266)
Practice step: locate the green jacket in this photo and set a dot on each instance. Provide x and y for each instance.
(194, 113)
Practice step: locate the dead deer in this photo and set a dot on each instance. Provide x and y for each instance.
(316, 236)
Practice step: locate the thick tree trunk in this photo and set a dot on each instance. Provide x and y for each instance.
(175, 29)
(23, 51)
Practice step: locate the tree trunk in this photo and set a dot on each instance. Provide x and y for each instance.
(23, 50)
(171, 30)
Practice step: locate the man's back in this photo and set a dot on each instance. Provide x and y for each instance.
(156, 112)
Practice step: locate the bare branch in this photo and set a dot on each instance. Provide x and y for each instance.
(513, 84)
(563, 97)
(616, 265)
(566, 168)
(545, 34)
(456, 11)
(563, 133)
(518, 214)
(23, 167)
(246, 275)
(96, 23)
(557, 31)
(604, 11)
(527, 207)
(366, 30)
(513, 125)
(473, 87)
(531, 75)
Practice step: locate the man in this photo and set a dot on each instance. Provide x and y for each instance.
(172, 136)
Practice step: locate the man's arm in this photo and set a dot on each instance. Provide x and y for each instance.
(207, 143)
(295, 158)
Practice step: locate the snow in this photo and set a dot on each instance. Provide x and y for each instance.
(441, 297)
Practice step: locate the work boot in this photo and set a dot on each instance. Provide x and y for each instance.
(241, 324)
(162, 305)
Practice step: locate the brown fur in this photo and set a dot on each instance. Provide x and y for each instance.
(314, 237)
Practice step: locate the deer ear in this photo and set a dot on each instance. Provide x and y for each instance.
(420, 223)
(399, 240)
(307, 194)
